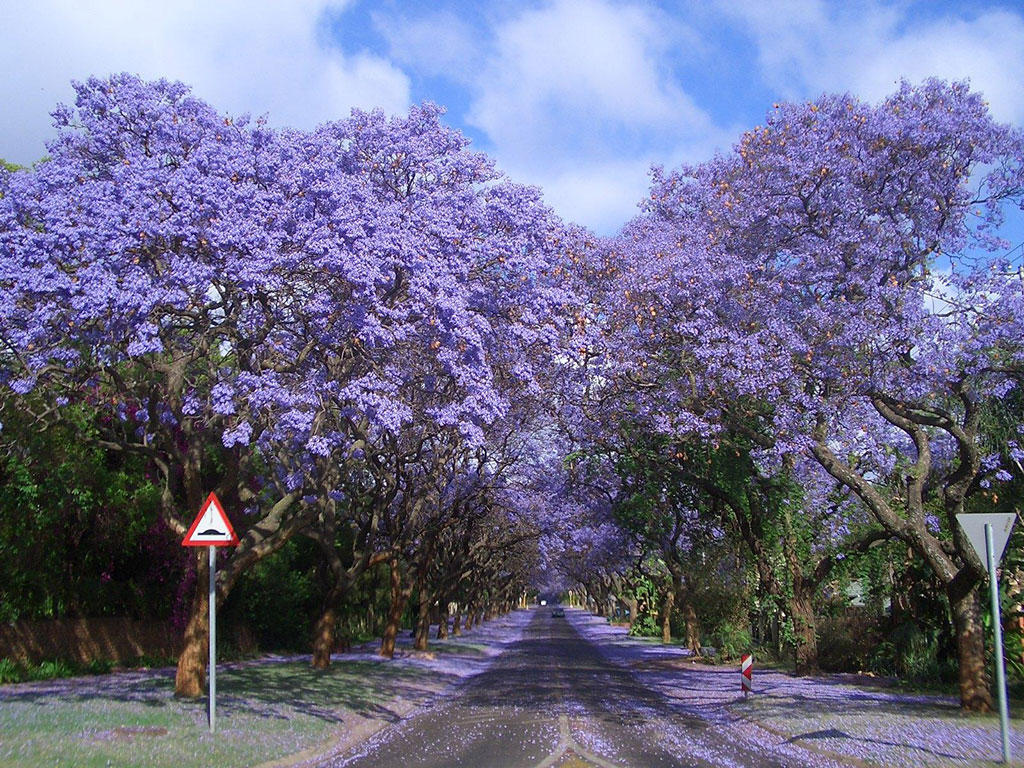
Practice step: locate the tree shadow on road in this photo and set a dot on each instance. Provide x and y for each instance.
(835, 733)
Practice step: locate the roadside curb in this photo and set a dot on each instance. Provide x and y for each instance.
(343, 741)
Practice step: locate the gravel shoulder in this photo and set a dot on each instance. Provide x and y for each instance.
(831, 718)
(275, 711)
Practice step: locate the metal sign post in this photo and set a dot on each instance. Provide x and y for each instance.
(213, 638)
(212, 529)
(997, 627)
(988, 534)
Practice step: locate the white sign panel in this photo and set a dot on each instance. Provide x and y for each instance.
(211, 528)
(974, 527)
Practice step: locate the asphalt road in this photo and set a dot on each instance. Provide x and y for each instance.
(552, 699)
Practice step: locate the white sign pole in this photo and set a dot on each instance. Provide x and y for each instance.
(997, 627)
(213, 637)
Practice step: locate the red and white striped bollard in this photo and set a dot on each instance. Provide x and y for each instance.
(746, 673)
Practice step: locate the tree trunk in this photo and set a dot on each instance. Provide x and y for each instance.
(457, 621)
(190, 678)
(325, 629)
(323, 637)
(399, 597)
(692, 627)
(423, 622)
(805, 630)
(666, 615)
(442, 625)
(975, 695)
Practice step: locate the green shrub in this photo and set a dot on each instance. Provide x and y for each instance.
(145, 660)
(848, 642)
(913, 655)
(1013, 646)
(10, 672)
(98, 667)
(279, 598)
(645, 626)
(49, 670)
(732, 640)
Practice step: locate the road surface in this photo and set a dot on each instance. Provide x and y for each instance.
(552, 700)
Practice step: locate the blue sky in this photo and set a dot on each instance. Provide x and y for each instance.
(576, 96)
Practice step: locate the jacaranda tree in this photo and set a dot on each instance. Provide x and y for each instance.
(265, 310)
(827, 283)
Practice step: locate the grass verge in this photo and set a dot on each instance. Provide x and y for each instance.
(265, 711)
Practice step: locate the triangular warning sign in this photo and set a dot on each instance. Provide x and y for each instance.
(211, 528)
(974, 526)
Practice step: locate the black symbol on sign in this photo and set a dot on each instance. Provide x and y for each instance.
(211, 532)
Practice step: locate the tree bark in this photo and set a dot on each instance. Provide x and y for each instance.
(457, 621)
(442, 625)
(323, 637)
(959, 579)
(801, 604)
(666, 615)
(975, 694)
(423, 622)
(804, 628)
(190, 677)
(399, 597)
(692, 627)
(326, 627)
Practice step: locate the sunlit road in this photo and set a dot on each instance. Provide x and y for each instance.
(553, 700)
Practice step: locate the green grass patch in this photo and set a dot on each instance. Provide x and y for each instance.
(462, 647)
(265, 711)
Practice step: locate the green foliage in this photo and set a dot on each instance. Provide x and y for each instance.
(279, 597)
(98, 667)
(645, 623)
(645, 626)
(731, 640)
(1013, 646)
(49, 670)
(75, 522)
(10, 672)
(914, 655)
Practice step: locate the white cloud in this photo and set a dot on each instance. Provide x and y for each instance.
(256, 56)
(602, 195)
(867, 48)
(578, 70)
(575, 96)
(436, 44)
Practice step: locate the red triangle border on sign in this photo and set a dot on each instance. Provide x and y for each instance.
(232, 538)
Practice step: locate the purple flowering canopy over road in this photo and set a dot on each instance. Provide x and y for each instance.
(824, 288)
(367, 325)
(300, 296)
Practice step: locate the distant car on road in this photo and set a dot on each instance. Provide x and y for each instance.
(558, 613)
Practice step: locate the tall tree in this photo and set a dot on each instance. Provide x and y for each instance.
(804, 288)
